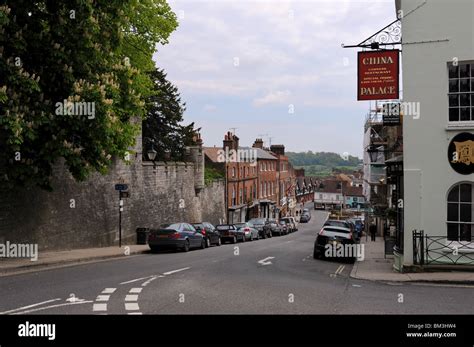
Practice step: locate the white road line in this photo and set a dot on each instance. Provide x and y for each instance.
(54, 306)
(131, 298)
(99, 307)
(30, 306)
(102, 298)
(136, 280)
(144, 284)
(134, 313)
(109, 290)
(136, 290)
(129, 306)
(174, 271)
(338, 271)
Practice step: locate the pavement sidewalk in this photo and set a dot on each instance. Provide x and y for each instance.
(54, 259)
(377, 268)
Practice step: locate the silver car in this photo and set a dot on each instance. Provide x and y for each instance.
(249, 231)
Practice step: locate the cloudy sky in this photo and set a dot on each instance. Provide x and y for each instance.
(273, 67)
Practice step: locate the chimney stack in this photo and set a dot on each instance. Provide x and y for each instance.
(278, 149)
(231, 141)
(258, 144)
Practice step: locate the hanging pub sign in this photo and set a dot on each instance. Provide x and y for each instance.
(391, 113)
(378, 75)
(461, 153)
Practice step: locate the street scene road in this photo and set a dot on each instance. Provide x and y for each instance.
(271, 276)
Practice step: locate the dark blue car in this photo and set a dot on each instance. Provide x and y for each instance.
(181, 236)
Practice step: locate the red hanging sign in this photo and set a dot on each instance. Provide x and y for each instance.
(378, 75)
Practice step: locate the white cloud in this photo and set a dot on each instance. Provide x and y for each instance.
(277, 97)
(289, 52)
(209, 108)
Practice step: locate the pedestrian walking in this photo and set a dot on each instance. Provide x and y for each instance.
(373, 231)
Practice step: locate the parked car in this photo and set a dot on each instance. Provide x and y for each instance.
(274, 227)
(305, 210)
(345, 223)
(176, 235)
(331, 235)
(284, 228)
(261, 224)
(291, 222)
(211, 235)
(295, 222)
(229, 232)
(305, 218)
(249, 231)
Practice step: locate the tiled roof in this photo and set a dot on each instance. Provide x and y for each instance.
(211, 153)
(331, 186)
(353, 191)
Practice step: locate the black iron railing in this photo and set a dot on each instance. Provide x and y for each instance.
(438, 250)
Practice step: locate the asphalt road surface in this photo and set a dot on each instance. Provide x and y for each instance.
(272, 276)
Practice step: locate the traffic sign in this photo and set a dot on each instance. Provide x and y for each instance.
(121, 187)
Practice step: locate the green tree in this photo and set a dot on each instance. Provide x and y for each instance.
(78, 51)
(162, 128)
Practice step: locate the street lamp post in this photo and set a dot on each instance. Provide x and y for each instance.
(152, 155)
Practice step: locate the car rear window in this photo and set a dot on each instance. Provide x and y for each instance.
(258, 221)
(170, 226)
(224, 227)
(334, 230)
(336, 223)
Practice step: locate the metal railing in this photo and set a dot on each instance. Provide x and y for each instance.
(438, 250)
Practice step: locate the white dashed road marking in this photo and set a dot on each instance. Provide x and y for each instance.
(136, 290)
(109, 290)
(102, 298)
(99, 307)
(131, 298)
(129, 306)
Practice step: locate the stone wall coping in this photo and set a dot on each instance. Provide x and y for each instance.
(167, 163)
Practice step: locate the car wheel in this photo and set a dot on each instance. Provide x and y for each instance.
(186, 246)
(243, 238)
(264, 235)
(251, 237)
(270, 235)
(258, 236)
(208, 243)
(203, 244)
(219, 242)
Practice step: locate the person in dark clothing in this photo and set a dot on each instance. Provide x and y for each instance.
(373, 231)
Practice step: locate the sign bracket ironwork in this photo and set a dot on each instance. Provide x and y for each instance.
(390, 35)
